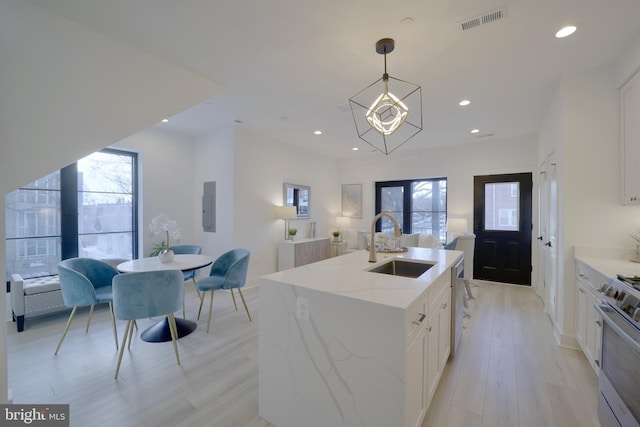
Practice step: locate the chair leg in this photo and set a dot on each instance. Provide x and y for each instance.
(210, 310)
(113, 322)
(233, 296)
(201, 301)
(245, 304)
(194, 285)
(131, 333)
(174, 334)
(124, 342)
(86, 331)
(66, 329)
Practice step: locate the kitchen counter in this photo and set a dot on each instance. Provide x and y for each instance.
(610, 267)
(337, 343)
(346, 275)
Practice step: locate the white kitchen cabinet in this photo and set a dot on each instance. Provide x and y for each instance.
(588, 321)
(630, 141)
(429, 349)
(301, 252)
(416, 365)
(344, 345)
(438, 341)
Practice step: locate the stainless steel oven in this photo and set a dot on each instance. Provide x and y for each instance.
(619, 380)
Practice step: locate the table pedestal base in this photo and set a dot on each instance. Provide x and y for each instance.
(160, 332)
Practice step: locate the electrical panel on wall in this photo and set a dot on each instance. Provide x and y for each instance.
(209, 206)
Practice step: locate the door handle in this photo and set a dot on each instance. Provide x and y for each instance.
(540, 238)
(548, 244)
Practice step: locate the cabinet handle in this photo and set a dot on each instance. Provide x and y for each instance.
(428, 328)
(581, 290)
(443, 306)
(420, 319)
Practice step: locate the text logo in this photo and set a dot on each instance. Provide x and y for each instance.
(35, 415)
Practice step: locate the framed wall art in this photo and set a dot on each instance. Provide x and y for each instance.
(352, 200)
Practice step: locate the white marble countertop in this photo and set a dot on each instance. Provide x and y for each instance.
(347, 275)
(610, 267)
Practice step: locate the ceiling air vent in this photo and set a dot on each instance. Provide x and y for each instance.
(485, 18)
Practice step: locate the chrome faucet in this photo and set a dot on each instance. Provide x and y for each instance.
(372, 245)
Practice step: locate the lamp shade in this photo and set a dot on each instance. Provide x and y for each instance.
(456, 225)
(286, 212)
(343, 222)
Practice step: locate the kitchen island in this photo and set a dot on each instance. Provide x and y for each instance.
(340, 345)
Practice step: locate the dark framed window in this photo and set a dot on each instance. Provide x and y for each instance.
(86, 209)
(419, 205)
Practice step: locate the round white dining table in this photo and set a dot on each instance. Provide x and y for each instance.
(160, 332)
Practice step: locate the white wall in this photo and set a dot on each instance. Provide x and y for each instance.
(261, 167)
(458, 163)
(213, 161)
(583, 128)
(166, 178)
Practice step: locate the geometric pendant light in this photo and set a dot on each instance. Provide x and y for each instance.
(388, 112)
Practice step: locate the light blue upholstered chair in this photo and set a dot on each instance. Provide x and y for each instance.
(191, 274)
(147, 294)
(86, 282)
(229, 271)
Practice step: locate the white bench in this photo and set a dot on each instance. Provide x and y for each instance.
(34, 297)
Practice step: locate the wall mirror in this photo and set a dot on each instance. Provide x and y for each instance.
(298, 196)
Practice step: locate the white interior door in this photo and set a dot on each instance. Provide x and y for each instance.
(550, 242)
(543, 220)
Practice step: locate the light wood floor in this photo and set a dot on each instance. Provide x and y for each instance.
(508, 371)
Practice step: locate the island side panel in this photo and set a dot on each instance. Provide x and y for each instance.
(344, 365)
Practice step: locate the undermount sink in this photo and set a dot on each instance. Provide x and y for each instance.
(397, 267)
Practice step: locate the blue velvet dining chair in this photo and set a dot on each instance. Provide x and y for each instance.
(147, 294)
(86, 282)
(229, 271)
(190, 274)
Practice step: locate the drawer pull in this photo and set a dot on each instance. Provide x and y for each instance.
(428, 328)
(443, 306)
(420, 319)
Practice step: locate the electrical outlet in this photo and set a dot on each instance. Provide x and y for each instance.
(302, 308)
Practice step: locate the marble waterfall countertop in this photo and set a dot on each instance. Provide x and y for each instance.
(347, 275)
(342, 346)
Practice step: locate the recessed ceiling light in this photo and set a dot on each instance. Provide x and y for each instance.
(317, 132)
(355, 148)
(464, 102)
(475, 130)
(165, 120)
(566, 31)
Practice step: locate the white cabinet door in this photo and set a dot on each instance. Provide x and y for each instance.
(630, 141)
(444, 330)
(581, 318)
(415, 399)
(432, 354)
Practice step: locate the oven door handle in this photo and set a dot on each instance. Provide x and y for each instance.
(606, 316)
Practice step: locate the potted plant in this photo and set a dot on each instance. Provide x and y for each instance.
(336, 236)
(163, 225)
(292, 234)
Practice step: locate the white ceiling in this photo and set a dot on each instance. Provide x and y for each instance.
(290, 66)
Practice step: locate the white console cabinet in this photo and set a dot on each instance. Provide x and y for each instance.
(293, 254)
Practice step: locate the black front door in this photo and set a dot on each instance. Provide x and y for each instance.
(502, 225)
